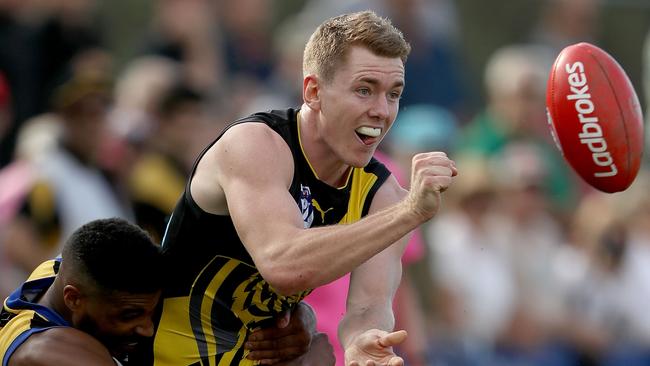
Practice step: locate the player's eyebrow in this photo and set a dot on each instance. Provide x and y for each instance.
(369, 80)
(375, 81)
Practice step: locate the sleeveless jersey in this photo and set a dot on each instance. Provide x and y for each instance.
(216, 296)
(21, 316)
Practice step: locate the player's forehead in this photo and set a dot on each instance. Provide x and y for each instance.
(125, 300)
(360, 63)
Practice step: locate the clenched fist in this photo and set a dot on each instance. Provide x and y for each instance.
(431, 174)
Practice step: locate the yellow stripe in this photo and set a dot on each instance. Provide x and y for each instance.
(208, 300)
(14, 328)
(228, 357)
(175, 343)
(362, 183)
(44, 270)
(240, 297)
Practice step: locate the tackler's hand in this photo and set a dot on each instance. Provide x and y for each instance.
(321, 353)
(288, 339)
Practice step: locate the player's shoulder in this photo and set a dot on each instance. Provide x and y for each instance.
(250, 139)
(252, 151)
(249, 131)
(61, 345)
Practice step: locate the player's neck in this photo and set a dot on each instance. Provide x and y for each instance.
(323, 161)
(53, 300)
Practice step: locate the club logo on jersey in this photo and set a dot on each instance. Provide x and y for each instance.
(306, 207)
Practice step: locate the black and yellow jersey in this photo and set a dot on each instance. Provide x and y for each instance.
(21, 316)
(216, 296)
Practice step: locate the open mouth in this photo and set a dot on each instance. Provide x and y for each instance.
(368, 135)
(128, 346)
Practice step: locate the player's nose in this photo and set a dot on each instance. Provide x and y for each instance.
(145, 328)
(379, 108)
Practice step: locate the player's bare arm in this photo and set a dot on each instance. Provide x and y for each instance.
(252, 161)
(369, 316)
(61, 346)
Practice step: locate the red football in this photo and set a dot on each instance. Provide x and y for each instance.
(595, 117)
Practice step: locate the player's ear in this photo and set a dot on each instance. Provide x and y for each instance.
(311, 91)
(72, 297)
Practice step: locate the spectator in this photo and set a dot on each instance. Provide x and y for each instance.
(43, 43)
(565, 22)
(159, 174)
(68, 177)
(515, 79)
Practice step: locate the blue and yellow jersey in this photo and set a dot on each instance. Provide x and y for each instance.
(216, 296)
(21, 316)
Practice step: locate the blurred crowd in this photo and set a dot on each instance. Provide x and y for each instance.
(525, 264)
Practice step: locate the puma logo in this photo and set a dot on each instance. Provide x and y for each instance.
(322, 213)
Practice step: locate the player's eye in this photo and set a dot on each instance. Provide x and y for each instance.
(130, 315)
(363, 91)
